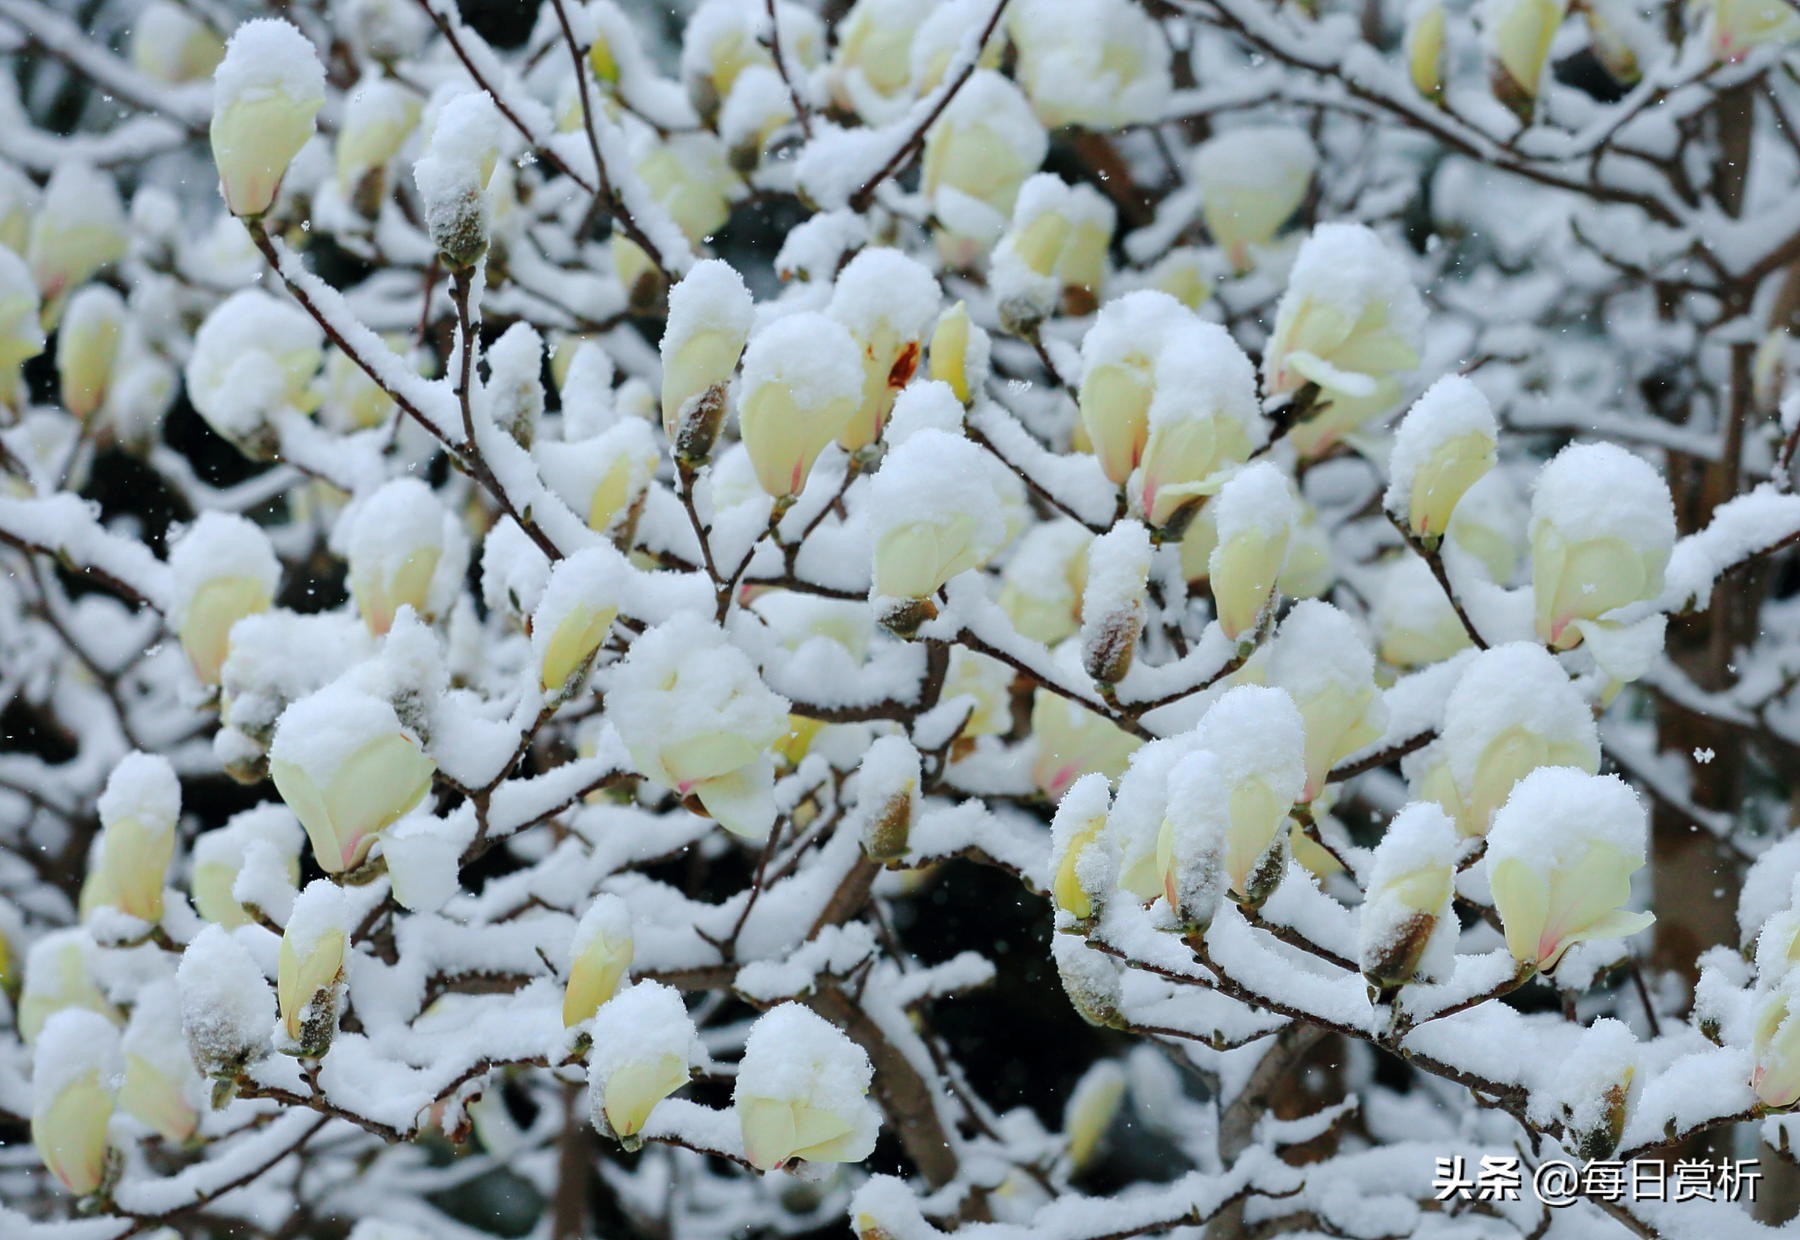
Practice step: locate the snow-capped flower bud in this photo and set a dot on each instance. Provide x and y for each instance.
(1259, 738)
(311, 969)
(888, 302)
(690, 175)
(977, 155)
(171, 45)
(1053, 254)
(1775, 1046)
(58, 975)
(1489, 524)
(710, 313)
(514, 392)
(78, 229)
(887, 797)
(1323, 661)
(160, 1089)
(405, 550)
(453, 177)
(1407, 931)
(801, 1092)
(87, 347)
(347, 768)
(575, 614)
(266, 93)
(758, 106)
(1254, 513)
(723, 38)
(350, 400)
(1194, 843)
(1119, 355)
(1560, 858)
(1083, 868)
(599, 958)
(1251, 180)
(1518, 34)
(227, 1007)
(703, 721)
(871, 69)
(1070, 741)
(1443, 446)
(379, 115)
(21, 335)
(959, 353)
(1090, 978)
(1512, 710)
(935, 512)
(138, 811)
(1736, 27)
(1602, 528)
(1091, 1109)
(1350, 320)
(645, 1048)
(1112, 605)
(1043, 581)
(1589, 1092)
(1099, 64)
(254, 356)
(224, 569)
(1424, 47)
(1203, 422)
(603, 476)
(72, 1098)
(1415, 624)
(803, 379)
(222, 854)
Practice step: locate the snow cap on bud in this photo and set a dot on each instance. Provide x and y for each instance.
(575, 614)
(1518, 34)
(1099, 64)
(1406, 929)
(1118, 357)
(1736, 27)
(887, 797)
(347, 768)
(1424, 47)
(72, 1084)
(254, 356)
(1251, 180)
(803, 377)
(1254, 514)
(1090, 978)
(1203, 422)
(87, 347)
(170, 45)
(888, 302)
(1350, 321)
(227, 1007)
(702, 721)
(1259, 738)
(710, 313)
(959, 353)
(599, 958)
(1775, 1046)
(645, 1048)
(1054, 253)
(1560, 858)
(514, 391)
(602, 476)
(221, 855)
(1589, 1089)
(1602, 529)
(453, 177)
(21, 335)
(977, 155)
(1083, 867)
(934, 512)
(1071, 741)
(313, 947)
(405, 550)
(224, 569)
(1194, 841)
(138, 811)
(1323, 661)
(266, 93)
(1443, 446)
(801, 1092)
(1112, 605)
(78, 229)
(161, 1089)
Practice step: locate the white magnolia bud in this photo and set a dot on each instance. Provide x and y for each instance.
(171, 45)
(138, 812)
(254, 356)
(575, 614)
(959, 353)
(1091, 1110)
(227, 1006)
(888, 302)
(311, 967)
(887, 796)
(871, 68)
(934, 513)
(803, 378)
(1194, 845)
(1443, 446)
(266, 93)
(599, 958)
(1112, 606)
(1043, 581)
(645, 1048)
(1259, 738)
(160, 1089)
(453, 175)
(72, 1084)
(1323, 661)
(1424, 47)
(1414, 622)
(1071, 741)
(78, 229)
(710, 314)
(977, 155)
(222, 854)
(690, 176)
(1518, 34)
(1099, 64)
(723, 38)
(1118, 357)
(58, 975)
(1254, 514)
(379, 115)
(405, 550)
(1775, 1046)
(1203, 422)
(1407, 929)
(1737, 27)
(801, 1092)
(224, 569)
(1083, 867)
(1053, 254)
(87, 347)
(1251, 180)
(1090, 978)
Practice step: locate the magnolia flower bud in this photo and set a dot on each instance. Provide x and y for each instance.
(1090, 978)
(72, 1098)
(313, 947)
(703, 721)
(453, 177)
(888, 302)
(1415, 624)
(977, 155)
(227, 1008)
(1442, 447)
(801, 1092)
(1321, 658)
(1098, 64)
(1112, 606)
(405, 550)
(1424, 47)
(1054, 253)
(1489, 525)
(1194, 842)
(379, 115)
(599, 958)
(1560, 858)
(170, 45)
(1518, 34)
(1736, 27)
(1259, 738)
(575, 615)
(1590, 1089)
(757, 108)
(887, 797)
(138, 811)
(224, 569)
(1071, 741)
(78, 229)
(253, 357)
(1083, 868)
(1775, 1046)
(1251, 180)
(87, 347)
(934, 513)
(1349, 320)
(723, 38)
(161, 1089)
(347, 768)
(1043, 581)
(603, 477)
(1407, 930)
(1253, 514)
(959, 353)
(1203, 423)
(1602, 528)
(1091, 1110)
(871, 69)
(222, 854)
(690, 176)
(710, 313)
(803, 377)
(266, 92)
(21, 336)
(1118, 355)
(59, 975)
(644, 1049)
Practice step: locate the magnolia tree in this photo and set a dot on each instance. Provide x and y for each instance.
(1075, 618)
